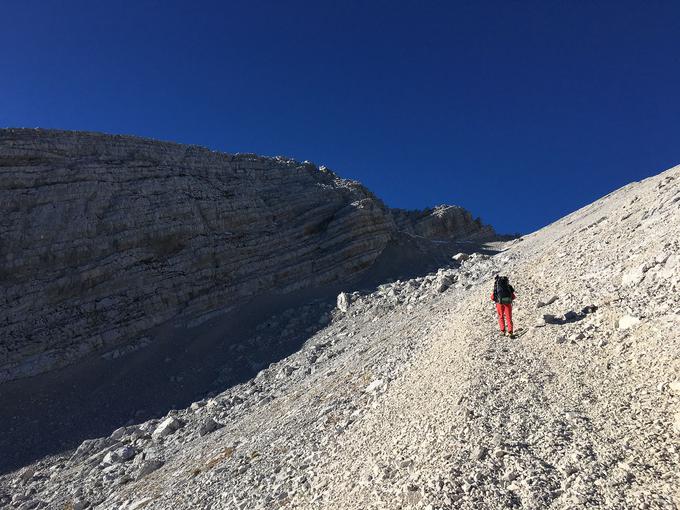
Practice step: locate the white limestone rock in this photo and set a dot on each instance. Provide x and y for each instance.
(627, 322)
(343, 302)
(166, 427)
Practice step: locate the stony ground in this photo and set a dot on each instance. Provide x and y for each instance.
(410, 398)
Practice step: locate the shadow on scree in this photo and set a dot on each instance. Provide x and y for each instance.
(54, 412)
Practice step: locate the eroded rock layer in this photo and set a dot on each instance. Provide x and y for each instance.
(444, 222)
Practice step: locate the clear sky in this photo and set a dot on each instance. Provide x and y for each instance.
(519, 111)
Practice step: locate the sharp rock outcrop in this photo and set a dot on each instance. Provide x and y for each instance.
(443, 222)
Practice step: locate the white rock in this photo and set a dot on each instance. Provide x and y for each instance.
(634, 276)
(375, 385)
(674, 387)
(460, 257)
(126, 453)
(547, 302)
(166, 427)
(627, 322)
(343, 302)
(119, 455)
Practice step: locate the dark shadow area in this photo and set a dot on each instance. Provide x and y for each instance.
(409, 257)
(570, 316)
(54, 412)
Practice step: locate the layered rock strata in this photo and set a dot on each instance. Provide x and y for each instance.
(444, 222)
(105, 237)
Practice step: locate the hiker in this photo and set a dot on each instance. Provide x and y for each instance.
(502, 295)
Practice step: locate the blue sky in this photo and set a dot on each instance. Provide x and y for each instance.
(520, 111)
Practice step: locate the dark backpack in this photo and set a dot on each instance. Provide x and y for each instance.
(503, 290)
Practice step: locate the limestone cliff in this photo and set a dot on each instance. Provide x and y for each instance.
(105, 237)
(444, 222)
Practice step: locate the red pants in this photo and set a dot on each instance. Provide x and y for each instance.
(504, 311)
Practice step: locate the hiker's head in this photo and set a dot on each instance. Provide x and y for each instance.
(501, 278)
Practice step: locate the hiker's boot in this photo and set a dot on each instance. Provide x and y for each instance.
(511, 334)
(503, 333)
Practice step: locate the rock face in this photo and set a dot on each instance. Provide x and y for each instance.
(105, 237)
(444, 222)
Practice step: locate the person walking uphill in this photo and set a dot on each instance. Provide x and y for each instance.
(503, 294)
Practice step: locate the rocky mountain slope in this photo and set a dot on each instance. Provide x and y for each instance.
(409, 398)
(106, 237)
(439, 222)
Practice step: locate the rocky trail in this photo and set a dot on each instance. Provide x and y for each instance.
(410, 398)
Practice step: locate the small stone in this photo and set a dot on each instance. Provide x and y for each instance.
(148, 466)
(460, 257)
(634, 276)
(166, 427)
(627, 322)
(578, 499)
(207, 427)
(375, 385)
(547, 302)
(119, 455)
(117, 434)
(676, 423)
(78, 504)
(443, 284)
(343, 302)
(674, 387)
(141, 503)
(27, 474)
(569, 469)
(479, 453)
